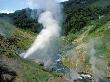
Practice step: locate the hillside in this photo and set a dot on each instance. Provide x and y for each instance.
(85, 43)
(11, 65)
(92, 41)
(79, 13)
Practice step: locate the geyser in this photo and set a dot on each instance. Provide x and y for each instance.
(46, 44)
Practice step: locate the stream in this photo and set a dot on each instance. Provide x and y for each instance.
(59, 67)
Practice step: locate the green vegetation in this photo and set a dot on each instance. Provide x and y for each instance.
(28, 71)
(23, 19)
(34, 72)
(96, 29)
(79, 15)
(84, 20)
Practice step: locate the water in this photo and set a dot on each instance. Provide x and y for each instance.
(59, 67)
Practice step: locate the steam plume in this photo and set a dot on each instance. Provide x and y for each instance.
(97, 74)
(6, 28)
(46, 43)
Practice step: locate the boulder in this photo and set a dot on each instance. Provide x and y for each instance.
(7, 74)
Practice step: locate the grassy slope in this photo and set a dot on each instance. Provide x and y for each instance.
(98, 29)
(19, 41)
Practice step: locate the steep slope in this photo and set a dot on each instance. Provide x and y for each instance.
(93, 36)
(87, 24)
(12, 67)
(79, 13)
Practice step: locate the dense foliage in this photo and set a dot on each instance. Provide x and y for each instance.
(22, 19)
(77, 14)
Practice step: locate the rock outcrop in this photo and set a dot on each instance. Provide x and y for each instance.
(6, 73)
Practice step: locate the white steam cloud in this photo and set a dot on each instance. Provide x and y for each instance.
(94, 60)
(46, 44)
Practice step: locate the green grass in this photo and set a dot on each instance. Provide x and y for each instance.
(25, 38)
(33, 72)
